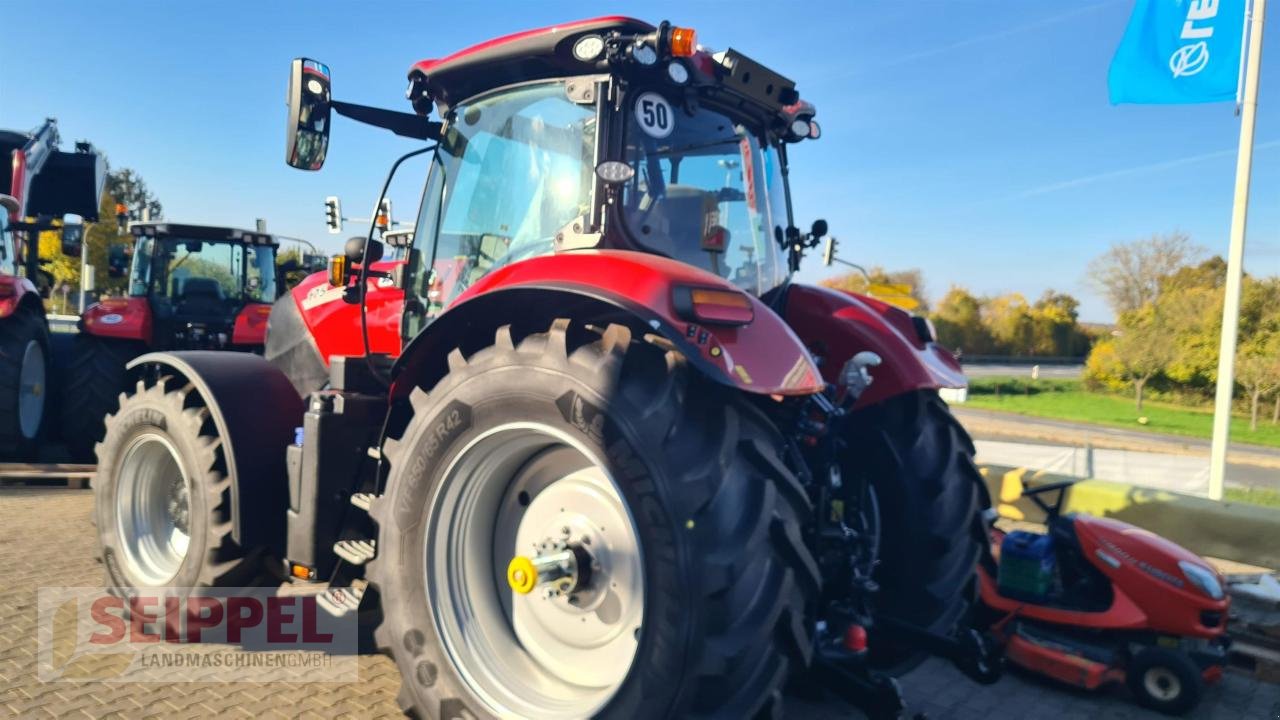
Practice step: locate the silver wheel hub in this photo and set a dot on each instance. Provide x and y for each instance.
(31, 390)
(1162, 683)
(152, 509)
(564, 643)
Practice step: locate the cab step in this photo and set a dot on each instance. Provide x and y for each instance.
(356, 552)
(339, 601)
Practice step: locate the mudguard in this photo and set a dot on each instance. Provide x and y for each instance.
(762, 356)
(127, 318)
(837, 325)
(255, 409)
(14, 290)
(251, 324)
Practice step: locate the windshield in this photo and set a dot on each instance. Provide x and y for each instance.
(514, 169)
(202, 271)
(705, 192)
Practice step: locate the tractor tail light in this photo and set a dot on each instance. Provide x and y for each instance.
(683, 42)
(713, 306)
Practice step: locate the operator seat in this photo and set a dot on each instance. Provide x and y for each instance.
(677, 221)
(201, 297)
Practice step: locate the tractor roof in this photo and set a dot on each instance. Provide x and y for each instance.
(527, 55)
(211, 233)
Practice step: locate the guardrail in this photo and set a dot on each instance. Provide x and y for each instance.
(1228, 530)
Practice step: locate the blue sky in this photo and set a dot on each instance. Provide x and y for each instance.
(970, 139)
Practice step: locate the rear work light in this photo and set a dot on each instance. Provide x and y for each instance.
(712, 306)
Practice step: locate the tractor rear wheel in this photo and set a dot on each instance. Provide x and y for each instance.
(161, 500)
(24, 373)
(578, 526)
(931, 497)
(95, 377)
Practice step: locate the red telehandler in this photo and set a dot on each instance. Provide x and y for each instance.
(42, 185)
(608, 459)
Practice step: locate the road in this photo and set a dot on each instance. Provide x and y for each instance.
(46, 540)
(1047, 372)
(1247, 465)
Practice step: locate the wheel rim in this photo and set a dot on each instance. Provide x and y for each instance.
(535, 654)
(31, 390)
(153, 509)
(1162, 683)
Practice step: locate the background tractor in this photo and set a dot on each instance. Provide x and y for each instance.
(42, 185)
(588, 445)
(190, 287)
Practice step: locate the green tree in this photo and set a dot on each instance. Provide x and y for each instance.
(1258, 369)
(128, 187)
(1142, 348)
(1008, 319)
(1130, 274)
(879, 277)
(958, 320)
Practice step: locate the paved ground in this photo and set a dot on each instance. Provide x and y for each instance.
(45, 540)
(1247, 466)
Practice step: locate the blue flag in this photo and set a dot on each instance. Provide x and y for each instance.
(1179, 51)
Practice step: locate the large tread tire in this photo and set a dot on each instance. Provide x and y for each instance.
(94, 379)
(16, 333)
(730, 586)
(213, 558)
(931, 497)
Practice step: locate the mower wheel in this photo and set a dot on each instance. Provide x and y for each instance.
(162, 504)
(95, 377)
(1164, 680)
(931, 497)
(24, 373)
(577, 525)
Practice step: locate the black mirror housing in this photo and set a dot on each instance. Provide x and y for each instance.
(72, 239)
(819, 229)
(309, 102)
(354, 250)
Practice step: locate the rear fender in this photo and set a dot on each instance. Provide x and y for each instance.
(762, 357)
(255, 410)
(837, 325)
(126, 318)
(251, 325)
(15, 292)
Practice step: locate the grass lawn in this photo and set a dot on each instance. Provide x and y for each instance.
(1065, 400)
(1252, 496)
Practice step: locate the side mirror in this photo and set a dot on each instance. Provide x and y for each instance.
(819, 229)
(307, 132)
(72, 239)
(117, 261)
(354, 250)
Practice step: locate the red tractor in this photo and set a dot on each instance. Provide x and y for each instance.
(593, 449)
(190, 287)
(41, 185)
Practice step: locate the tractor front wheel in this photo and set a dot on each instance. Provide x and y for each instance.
(576, 526)
(161, 500)
(24, 372)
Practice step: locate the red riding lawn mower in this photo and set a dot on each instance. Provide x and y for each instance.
(190, 287)
(621, 465)
(1096, 601)
(39, 187)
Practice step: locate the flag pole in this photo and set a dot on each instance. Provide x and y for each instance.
(1235, 259)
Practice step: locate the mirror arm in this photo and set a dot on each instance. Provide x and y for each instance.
(401, 123)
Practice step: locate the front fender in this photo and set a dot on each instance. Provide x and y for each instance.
(762, 357)
(837, 325)
(255, 410)
(13, 291)
(127, 318)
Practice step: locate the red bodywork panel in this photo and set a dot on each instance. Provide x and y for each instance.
(1061, 666)
(763, 356)
(430, 65)
(837, 325)
(127, 318)
(335, 324)
(251, 325)
(1150, 590)
(12, 289)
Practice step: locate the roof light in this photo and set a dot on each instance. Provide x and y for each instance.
(588, 48)
(678, 73)
(683, 42)
(644, 53)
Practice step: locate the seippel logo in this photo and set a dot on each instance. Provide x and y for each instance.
(1193, 57)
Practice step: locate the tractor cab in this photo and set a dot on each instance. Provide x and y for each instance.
(198, 279)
